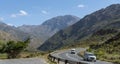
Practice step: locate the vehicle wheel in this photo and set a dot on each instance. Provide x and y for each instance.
(87, 59)
(94, 60)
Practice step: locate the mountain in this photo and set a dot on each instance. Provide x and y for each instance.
(6, 36)
(40, 33)
(104, 19)
(12, 33)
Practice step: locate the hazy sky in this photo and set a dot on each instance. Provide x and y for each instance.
(35, 12)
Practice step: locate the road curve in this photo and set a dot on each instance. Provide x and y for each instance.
(24, 61)
(74, 57)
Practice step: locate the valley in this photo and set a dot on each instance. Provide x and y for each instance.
(69, 35)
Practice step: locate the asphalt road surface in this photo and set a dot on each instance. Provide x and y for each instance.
(24, 61)
(74, 57)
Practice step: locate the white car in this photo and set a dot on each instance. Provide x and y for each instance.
(72, 51)
(89, 56)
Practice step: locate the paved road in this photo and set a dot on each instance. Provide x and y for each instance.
(75, 57)
(24, 61)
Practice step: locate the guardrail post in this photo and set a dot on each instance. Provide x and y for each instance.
(58, 60)
(66, 61)
(78, 62)
(49, 57)
(53, 58)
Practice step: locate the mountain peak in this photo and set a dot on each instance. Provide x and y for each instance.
(114, 6)
(61, 19)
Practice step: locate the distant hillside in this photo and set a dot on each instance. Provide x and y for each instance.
(6, 36)
(11, 32)
(106, 18)
(40, 33)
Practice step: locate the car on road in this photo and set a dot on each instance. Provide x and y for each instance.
(89, 56)
(72, 51)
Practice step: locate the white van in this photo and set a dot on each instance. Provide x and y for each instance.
(72, 51)
(89, 56)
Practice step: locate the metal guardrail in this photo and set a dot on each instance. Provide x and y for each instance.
(66, 61)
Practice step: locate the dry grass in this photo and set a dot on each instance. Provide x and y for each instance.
(3, 56)
(111, 58)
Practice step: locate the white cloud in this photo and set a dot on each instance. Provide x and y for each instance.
(44, 12)
(1, 18)
(81, 6)
(21, 13)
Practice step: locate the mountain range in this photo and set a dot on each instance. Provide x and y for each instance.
(37, 33)
(40, 33)
(104, 22)
(11, 33)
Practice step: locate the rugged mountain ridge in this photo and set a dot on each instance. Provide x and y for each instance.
(13, 32)
(40, 33)
(106, 18)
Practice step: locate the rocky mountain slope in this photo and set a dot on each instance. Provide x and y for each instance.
(106, 18)
(40, 33)
(6, 36)
(11, 33)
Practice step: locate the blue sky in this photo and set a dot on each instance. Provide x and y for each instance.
(35, 12)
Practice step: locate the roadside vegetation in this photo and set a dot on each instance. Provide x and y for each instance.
(18, 49)
(12, 49)
(109, 50)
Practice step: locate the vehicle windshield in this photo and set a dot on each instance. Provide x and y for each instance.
(91, 54)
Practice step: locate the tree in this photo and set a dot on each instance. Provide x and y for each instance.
(13, 48)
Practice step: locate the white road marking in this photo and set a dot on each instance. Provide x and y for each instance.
(71, 57)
